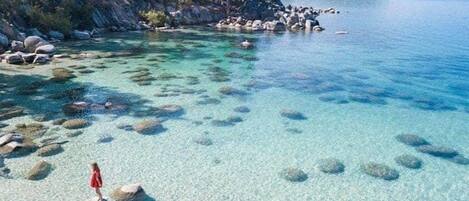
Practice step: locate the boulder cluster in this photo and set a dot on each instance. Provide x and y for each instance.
(35, 48)
(291, 18)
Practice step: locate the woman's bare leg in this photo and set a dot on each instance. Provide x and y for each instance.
(100, 196)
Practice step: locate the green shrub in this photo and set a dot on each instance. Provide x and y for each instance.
(154, 18)
(60, 15)
(57, 20)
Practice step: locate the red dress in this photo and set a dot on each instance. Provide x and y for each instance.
(96, 181)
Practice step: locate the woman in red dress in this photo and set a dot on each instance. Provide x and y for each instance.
(96, 181)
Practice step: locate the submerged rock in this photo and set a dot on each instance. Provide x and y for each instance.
(148, 127)
(227, 90)
(75, 124)
(438, 151)
(39, 171)
(33, 130)
(14, 59)
(293, 175)
(203, 141)
(291, 114)
(242, 109)
(169, 110)
(105, 139)
(62, 75)
(11, 112)
(74, 133)
(221, 123)
(80, 35)
(459, 159)
(124, 126)
(380, 171)
(411, 140)
(409, 161)
(331, 166)
(132, 192)
(49, 150)
(14, 145)
(234, 119)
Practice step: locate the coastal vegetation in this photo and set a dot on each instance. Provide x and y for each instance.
(59, 15)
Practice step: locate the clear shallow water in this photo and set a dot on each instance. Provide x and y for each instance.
(401, 69)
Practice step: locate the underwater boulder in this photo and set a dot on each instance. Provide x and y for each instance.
(242, 109)
(203, 141)
(412, 140)
(409, 161)
(331, 166)
(291, 114)
(75, 124)
(227, 90)
(380, 171)
(39, 171)
(49, 150)
(438, 151)
(132, 192)
(293, 174)
(148, 127)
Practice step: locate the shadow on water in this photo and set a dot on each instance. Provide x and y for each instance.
(38, 95)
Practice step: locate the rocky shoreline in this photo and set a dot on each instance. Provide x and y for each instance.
(22, 44)
(291, 18)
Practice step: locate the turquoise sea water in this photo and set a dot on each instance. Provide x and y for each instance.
(402, 68)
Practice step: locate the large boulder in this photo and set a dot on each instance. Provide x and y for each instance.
(275, 26)
(148, 127)
(17, 46)
(309, 24)
(14, 59)
(131, 192)
(45, 49)
(29, 57)
(257, 25)
(80, 35)
(39, 171)
(75, 124)
(31, 43)
(41, 59)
